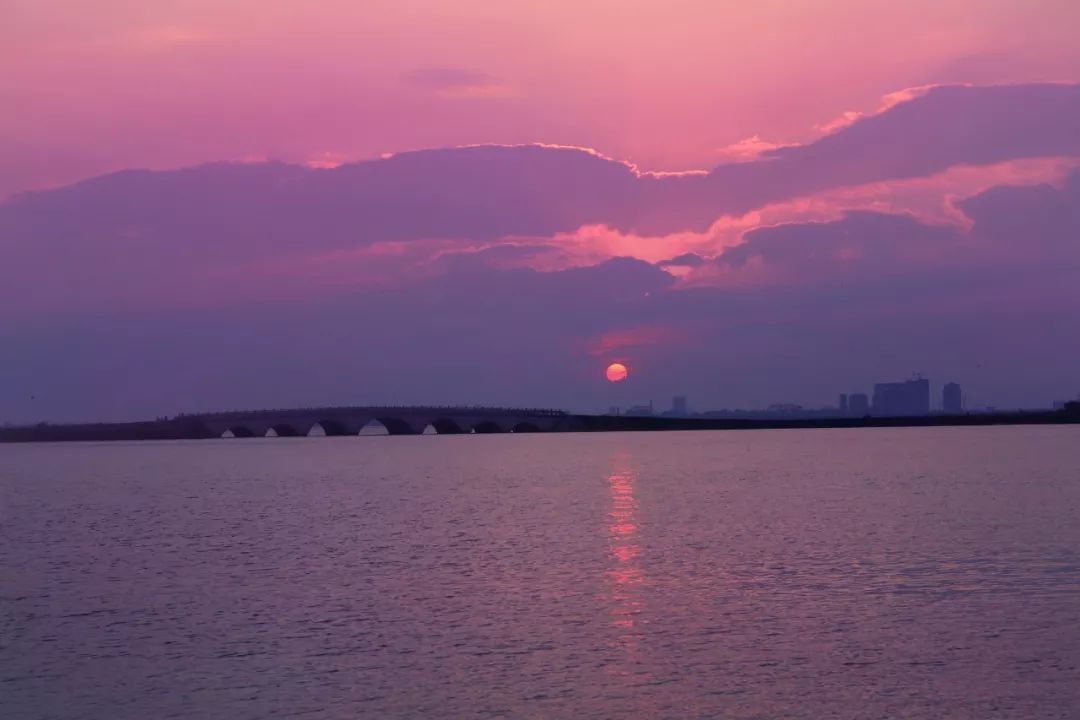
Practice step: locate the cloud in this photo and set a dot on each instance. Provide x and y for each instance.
(924, 231)
(168, 37)
(931, 200)
(750, 148)
(892, 99)
(860, 245)
(614, 344)
(887, 102)
(843, 120)
(939, 129)
(808, 309)
(483, 193)
(459, 83)
(202, 234)
(325, 161)
(688, 260)
(1013, 230)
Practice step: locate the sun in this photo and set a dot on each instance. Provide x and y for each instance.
(616, 372)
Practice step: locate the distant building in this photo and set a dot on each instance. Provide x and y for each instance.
(858, 404)
(842, 404)
(911, 397)
(641, 410)
(952, 399)
(678, 405)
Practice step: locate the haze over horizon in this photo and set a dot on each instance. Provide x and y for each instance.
(746, 205)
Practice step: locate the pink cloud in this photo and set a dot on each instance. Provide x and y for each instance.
(931, 200)
(749, 148)
(326, 161)
(626, 340)
(453, 83)
(843, 120)
(884, 104)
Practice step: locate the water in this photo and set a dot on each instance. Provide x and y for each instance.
(870, 573)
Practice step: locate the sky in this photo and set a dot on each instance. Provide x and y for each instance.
(215, 204)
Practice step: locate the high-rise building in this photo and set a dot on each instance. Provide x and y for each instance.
(952, 400)
(842, 404)
(858, 404)
(678, 406)
(911, 397)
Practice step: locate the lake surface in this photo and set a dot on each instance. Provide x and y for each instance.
(866, 573)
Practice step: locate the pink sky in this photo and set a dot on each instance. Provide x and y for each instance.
(94, 87)
(892, 187)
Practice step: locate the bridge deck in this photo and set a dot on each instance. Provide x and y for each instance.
(197, 426)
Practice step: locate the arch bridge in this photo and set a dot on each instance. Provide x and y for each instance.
(405, 420)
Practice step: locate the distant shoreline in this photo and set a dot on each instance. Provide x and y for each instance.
(194, 428)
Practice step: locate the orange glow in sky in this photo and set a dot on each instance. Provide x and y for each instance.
(616, 372)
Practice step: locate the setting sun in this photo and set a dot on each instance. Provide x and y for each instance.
(616, 372)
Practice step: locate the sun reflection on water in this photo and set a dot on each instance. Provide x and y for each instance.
(624, 573)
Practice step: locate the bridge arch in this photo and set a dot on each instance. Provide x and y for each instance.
(286, 430)
(370, 420)
(373, 427)
(336, 428)
(447, 426)
(397, 426)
